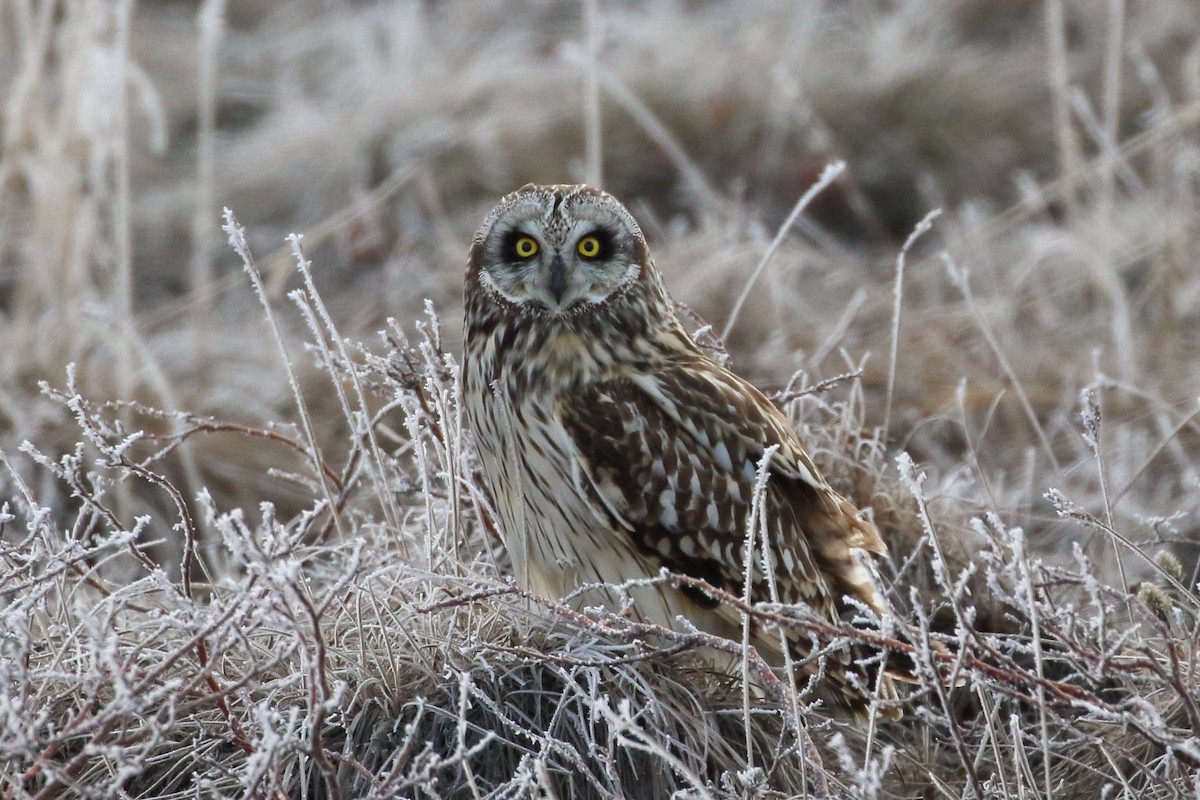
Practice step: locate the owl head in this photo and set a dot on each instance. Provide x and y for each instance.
(558, 251)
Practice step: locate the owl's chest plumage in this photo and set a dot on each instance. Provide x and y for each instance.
(556, 531)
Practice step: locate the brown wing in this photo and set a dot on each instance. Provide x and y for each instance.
(674, 456)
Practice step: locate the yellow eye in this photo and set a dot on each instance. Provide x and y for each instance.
(526, 247)
(588, 247)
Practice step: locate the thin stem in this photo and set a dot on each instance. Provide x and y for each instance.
(897, 296)
(828, 176)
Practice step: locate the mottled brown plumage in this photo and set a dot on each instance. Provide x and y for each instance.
(612, 445)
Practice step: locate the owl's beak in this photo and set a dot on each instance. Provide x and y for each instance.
(557, 280)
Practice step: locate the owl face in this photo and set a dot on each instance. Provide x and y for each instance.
(558, 250)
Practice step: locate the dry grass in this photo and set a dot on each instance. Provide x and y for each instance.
(246, 554)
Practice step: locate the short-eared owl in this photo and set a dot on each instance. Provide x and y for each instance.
(613, 446)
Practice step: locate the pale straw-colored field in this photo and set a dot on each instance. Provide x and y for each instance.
(245, 551)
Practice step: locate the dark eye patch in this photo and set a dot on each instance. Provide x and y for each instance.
(605, 240)
(508, 246)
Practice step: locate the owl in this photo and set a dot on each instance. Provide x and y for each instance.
(613, 446)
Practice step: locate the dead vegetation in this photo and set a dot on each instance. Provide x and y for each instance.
(244, 551)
